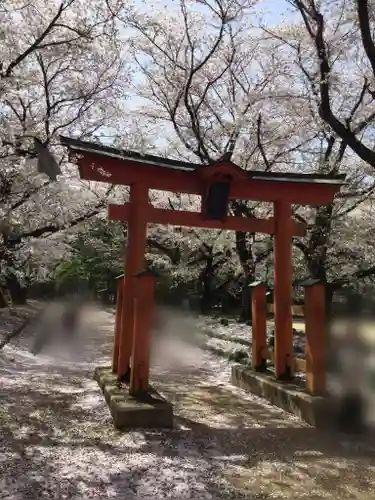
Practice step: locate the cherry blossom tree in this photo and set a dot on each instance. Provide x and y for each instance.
(327, 249)
(207, 79)
(220, 84)
(340, 58)
(63, 72)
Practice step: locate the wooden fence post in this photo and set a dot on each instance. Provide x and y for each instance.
(315, 329)
(283, 293)
(116, 343)
(143, 319)
(259, 326)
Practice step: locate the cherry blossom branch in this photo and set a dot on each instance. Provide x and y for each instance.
(315, 26)
(37, 44)
(260, 145)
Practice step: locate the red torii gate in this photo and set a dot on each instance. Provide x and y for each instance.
(217, 184)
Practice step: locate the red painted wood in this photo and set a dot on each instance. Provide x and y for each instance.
(127, 172)
(134, 263)
(133, 338)
(195, 219)
(144, 310)
(259, 324)
(283, 290)
(315, 322)
(223, 169)
(119, 307)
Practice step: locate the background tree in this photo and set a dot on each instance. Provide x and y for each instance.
(329, 153)
(206, 81)
(343, 62)
(64, 71)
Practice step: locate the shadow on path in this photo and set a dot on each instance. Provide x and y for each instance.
(57, 439)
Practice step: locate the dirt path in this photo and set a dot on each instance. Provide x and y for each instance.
(57, 440)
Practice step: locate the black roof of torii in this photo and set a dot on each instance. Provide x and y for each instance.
(76, 145)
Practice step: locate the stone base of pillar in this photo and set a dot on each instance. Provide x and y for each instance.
(292, 397)
(151, 411)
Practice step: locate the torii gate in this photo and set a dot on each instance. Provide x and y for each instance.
(217, 184)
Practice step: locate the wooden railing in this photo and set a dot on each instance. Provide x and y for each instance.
(297, 310)
(299, 363)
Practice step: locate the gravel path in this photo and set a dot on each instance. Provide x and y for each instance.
(57, 440)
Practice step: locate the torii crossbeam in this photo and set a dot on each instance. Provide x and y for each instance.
(217, 184)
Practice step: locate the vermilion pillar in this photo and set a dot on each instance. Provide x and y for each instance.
(119, 306)
(144, 306)
(283, 290)
(315, 330)
(259, 325)
(135, 256)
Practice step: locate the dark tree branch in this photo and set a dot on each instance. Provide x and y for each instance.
(315, 25)
(37, 42)
(359, 274)
(173, 253)
(50, 229)
(260, 145)
(365, 28)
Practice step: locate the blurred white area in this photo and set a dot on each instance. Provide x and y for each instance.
(351, 362)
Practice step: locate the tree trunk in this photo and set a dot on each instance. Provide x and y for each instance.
(205, 280)
(206, 296)
(316, 250)
(18, 293)
(246, 309)
(329, 293)
(245, 254)
(3, 301)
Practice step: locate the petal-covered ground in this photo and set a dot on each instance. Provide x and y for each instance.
(57, 440)
(234, 336)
